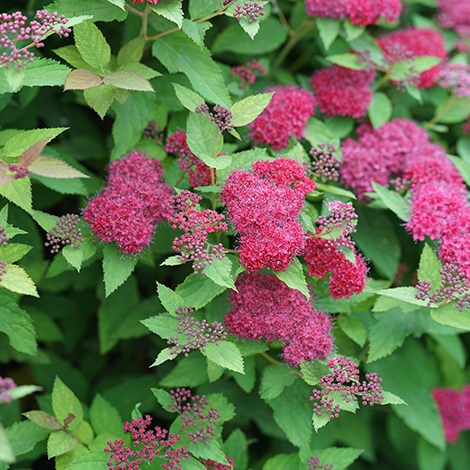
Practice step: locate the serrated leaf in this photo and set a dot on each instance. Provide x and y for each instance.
(198, 290)
(18, 192)
(401, 70)
(196, 31)
(23, 140)
(92, 45)
(59, 443)
(24, 390)
(128, 81)
(100, 98)
(116, 268)
(391, 399)
(329, 29)
(101, 10)
(140, 69)
(178, 53)
(65, 404)
(380, 109)
(338, 458)
(163, 325)
(131, 52)
(163, 356)
(164, 398)
(450, 315)
(6, 451)
(188, 98)
(13, 252)
(348, 60)
(31, 153)
(407, 294)
(17, 280)
(354, 329)
(353, 31)
(104, 417)
(220, 272)
(172, 261)
(119, 3)
(24, 435)
(73, 255)
(249, 108)
(274, 380)
(225, 354)
(463, 166)
(313, 371)
(81, 79)
(171, 10)
(170, 299)
(294, 277)
(71, 55)
(54, 168)
(429, 266)
(393, 201)
(251, 29)
(43, 419)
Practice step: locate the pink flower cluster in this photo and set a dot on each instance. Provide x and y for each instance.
(147, 444)
(455, 14)
(285, 116)
(131, 205)
(196, 225)
(263, 307)
(247, 73)
(264, 206)
(457, 77)
(410, 43)
(342, 91)
(6, 384)
(314, 464)
(198, 172)
(454, 408)
(359, 12)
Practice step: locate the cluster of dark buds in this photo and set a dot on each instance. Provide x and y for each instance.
(13, 32)
(344, 381)
(197, 333)
(249, 11)
(247, 73)
(3, 269)
(153, 131)
(6, 383)
(325, 165)
(211, 465)
(196, 224)
(454, 286)
(221, 117)
(146, 445)
(314, 464)
(19, 171)
(197, 419)
(342, 219)
(65, 232)
(3, 236)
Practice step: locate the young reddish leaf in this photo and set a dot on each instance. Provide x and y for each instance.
(33, 152)
(81, 79)
(54, 168)
(43, 419)
(128, 81)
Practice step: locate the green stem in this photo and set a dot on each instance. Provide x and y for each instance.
(282, 18)
(383, 80)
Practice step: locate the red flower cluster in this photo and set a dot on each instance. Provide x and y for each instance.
(264, 206)
(198, 172)
(211, 465)
(285, 116)
(411, 43)
(455, 14)
(247, 73)
(342, 91)
(132, 203)
(454, 408)
(360, 12)
(265, 308)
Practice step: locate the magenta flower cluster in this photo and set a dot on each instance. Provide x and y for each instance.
(198, 172)
(454, 408)
(455, 14)
(6, 384)
(211, 465)
(344, 382)
(65, 232)
(131, 205)
(249, 11)
(263, 307)
(198, 334)
(197, 418)
(264, 206)
(456, 77)
(285, 116)
(196, 225)
(147, 444)
(247, 73)
(14, 31)
(359, 12)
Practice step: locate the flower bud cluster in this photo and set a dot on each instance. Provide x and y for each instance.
(249, 11)
(211, 465)
(147, 444)
(342, 218)
(19, 171)
(66, 232)
(263, 307)
(198, 172)
(6, 383)
(221, 117)
(154, 2)
(196, 224)
(197, 419)
(3, 241)
(344, 382)
(454, 286)
(247, 73)
(314, 464)
(197, 333)
(133, 202)
(325, 165)
(13, 30)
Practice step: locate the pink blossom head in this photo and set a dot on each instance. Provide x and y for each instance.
(454, 14)
(285, 116)
(342, 91)
(263, 307)
(410, 43)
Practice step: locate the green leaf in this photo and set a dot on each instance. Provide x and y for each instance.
(101, 10)
(118, 3)
(92, 45)
(430, 458)
(242, 160)
(24, 435)
(43, 72)
(196, 31)
(247, 380)
(452, 110)
(236, 446)
(24, 390)
(339, 458)
(200, 9)
(271, 36)
(71, 55)
(380, 109)
(17, 280)
(463, 166)
(128, 81)
(100, 98)
(164, 398)
(328, 188)
(205, 140)
(13, 252)
(6, 452)
(348, 60)
(407, 294)
(178, 53)
(329, 29)
(116, 268)
(81, 79)
(251, 29)
(313, 371)
(59, 443)
(163, 356)
(190, 371)
(140, 69)
(65, 404)
(12, 79)
(429, 266)
(225, 354)
(393, 201)
(249, 108)
(354, 329)
(104, 417)
(131, 52)
(169, 298)
(188, 98)
(16, 324)
(294, 277)
(74, 256)
(402, 70)
(23, 140)
(391, 399)
(171, 10)
(219, 271)
(274, 380)
(54, 168)
(450, 315)
(92, 460)
(352, 31)
(43, 419)
(164, 325)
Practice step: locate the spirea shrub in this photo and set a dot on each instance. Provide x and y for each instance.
(234, 234)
